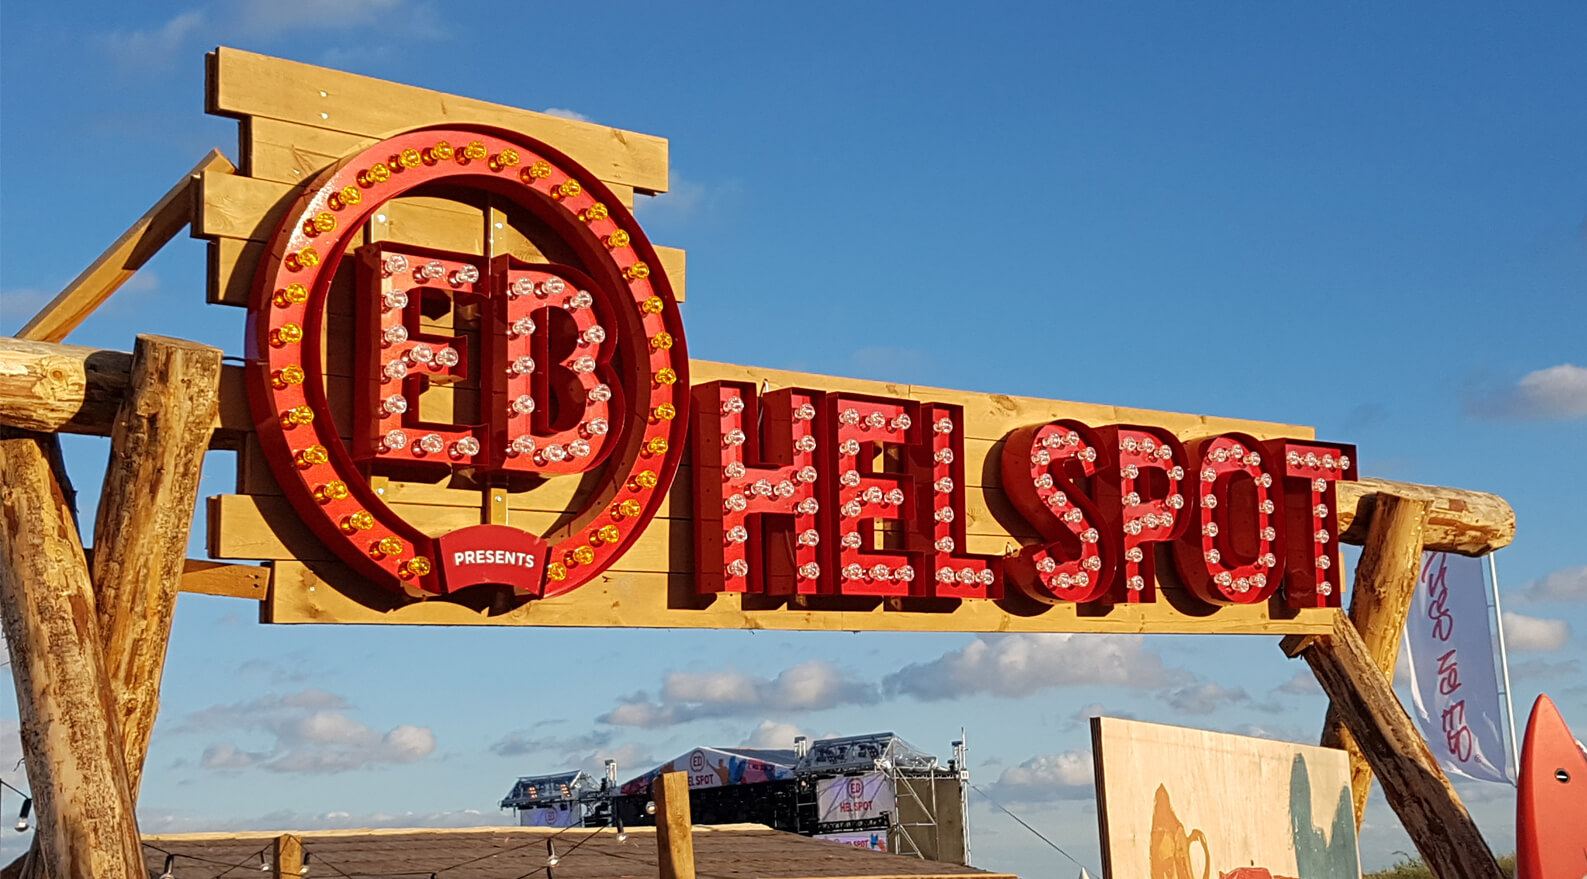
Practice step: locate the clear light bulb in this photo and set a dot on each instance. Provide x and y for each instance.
(597, 427)
(447, 357)
(394, 335)
(584, 365)
(467, 447)
(524, 404)
(392, 299)
(396, 404)
(594, 335)
(465, 275)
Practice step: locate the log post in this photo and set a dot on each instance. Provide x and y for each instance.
(1391, 562)
(1415, 786)
(674, 826)
(286, 857)
(145, 513)
(69, 735)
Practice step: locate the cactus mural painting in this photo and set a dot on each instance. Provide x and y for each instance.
(1178, 803)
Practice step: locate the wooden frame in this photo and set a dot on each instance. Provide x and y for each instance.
(87, 700)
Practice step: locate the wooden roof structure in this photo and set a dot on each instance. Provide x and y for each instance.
(733, 851)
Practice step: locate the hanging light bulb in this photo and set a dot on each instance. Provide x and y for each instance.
(22, 816)
(169, 860)
(551, 854)
(650, 807)
(264, 865)
(304, 870)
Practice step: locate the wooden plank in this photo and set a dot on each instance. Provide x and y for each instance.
(84, 806)
(238, 214)
(227, 581)
(287, 152)
(244, 84)
(674, 826)
(106, 274)
(298, 594)
(1412, 780)
(266, 527)
(145, 511)
(675, 263)
(1386, 576)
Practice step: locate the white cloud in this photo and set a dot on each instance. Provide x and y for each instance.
(1304, 683)
(1556, 392)
(1202, 697)
(309, 732)
(1048, 777)
(1524, 634)
(1538, 669)
(562, 113)
(686, 696)
(1019, 665)
(153, 47)
(519, 743)
(1567, 585)
(772, 734)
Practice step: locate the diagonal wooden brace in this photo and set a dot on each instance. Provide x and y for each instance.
(1412, 780)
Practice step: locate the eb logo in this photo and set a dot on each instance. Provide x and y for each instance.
(495, 371)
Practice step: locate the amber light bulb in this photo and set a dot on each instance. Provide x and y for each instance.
(312, 455)
(286, 334)
(287, 375)
(307, 258)
(608, 534)
(617, 239)
(594, 212)
(652, 305)
(568, 188)
(637, 272)
(666, 376)
(297, 415)
(417, 566)
(290, 295)
(666, 412)
(386, 546)
(359, 521)
(557, 571)
(348, 196)
(334, 490)
(646, 479)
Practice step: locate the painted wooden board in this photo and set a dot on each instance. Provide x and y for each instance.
(1178, 803)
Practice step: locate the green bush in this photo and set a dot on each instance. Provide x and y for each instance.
(1415, 869)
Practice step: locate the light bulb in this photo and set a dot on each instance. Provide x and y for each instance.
(552, 286)
(595, 335)
(396, 404)
(394, 299)
(581, 299)
(524, 405)
(583, 365)
(431, 443)
(650, 808)
(394, 335)
(395, 264)
(600, 394)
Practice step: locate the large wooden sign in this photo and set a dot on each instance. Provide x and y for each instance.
(469, 401)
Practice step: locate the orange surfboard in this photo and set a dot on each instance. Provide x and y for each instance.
(1551, 803)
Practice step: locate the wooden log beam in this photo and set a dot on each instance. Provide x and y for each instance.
(47, 387)
(1470, 523)
(202, 577)
(145, 513)
(1415, 786)
(106, 274)
(1391, 561)
(674, 826)
(86, 827)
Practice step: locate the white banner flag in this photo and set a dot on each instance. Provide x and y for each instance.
(1454, 675)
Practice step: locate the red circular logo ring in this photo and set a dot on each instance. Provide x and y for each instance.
(648, 414)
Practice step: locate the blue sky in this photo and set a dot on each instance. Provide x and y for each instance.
(1369, 220)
